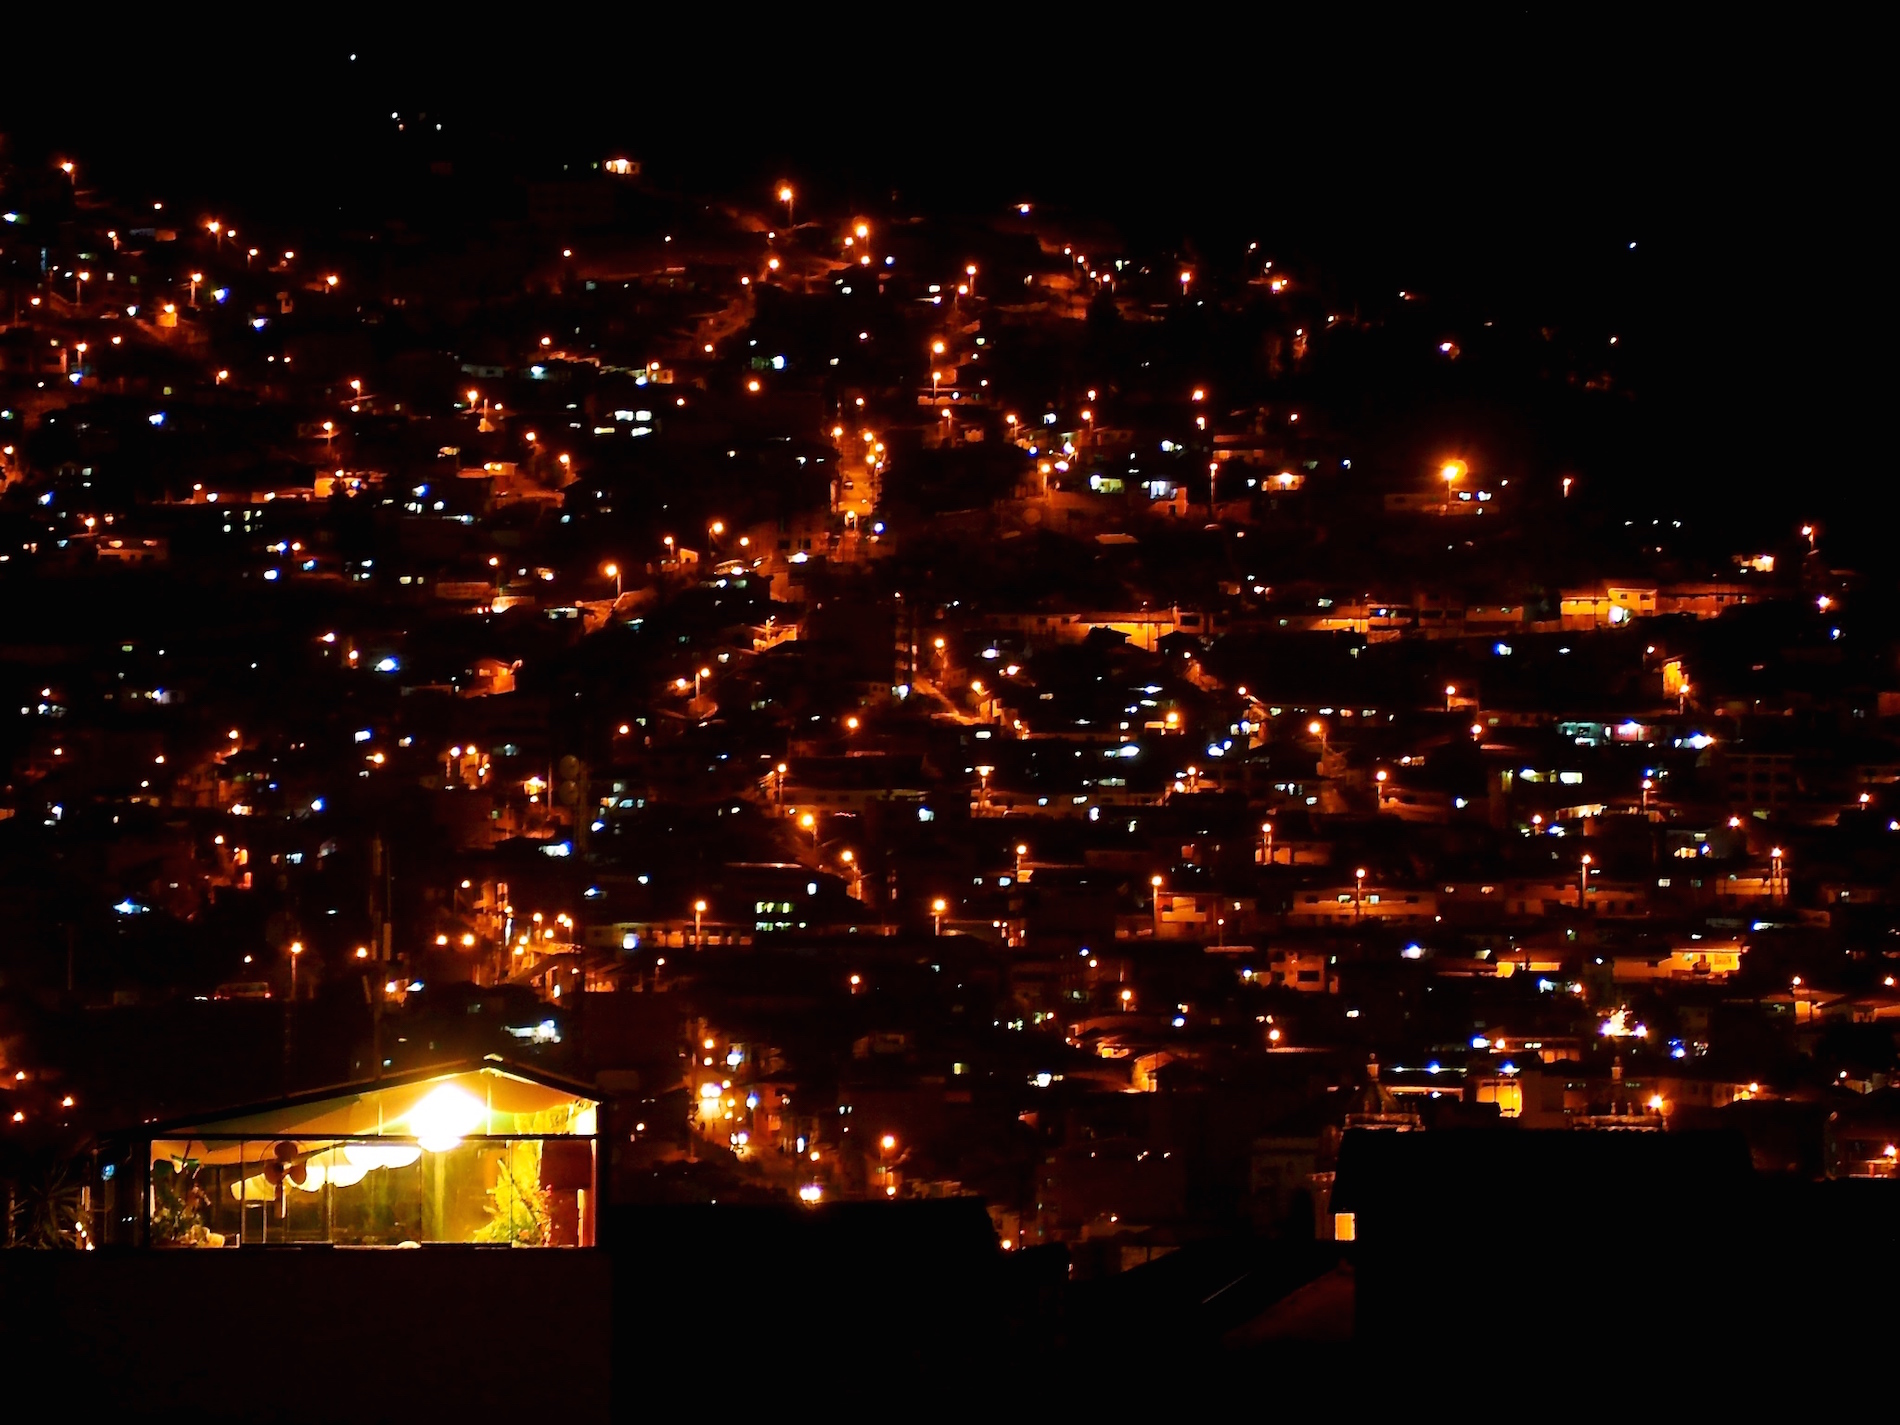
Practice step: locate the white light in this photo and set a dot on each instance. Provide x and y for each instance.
(445, 1116)
(366, 1156)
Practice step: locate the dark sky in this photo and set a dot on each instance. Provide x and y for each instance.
(1507, 159)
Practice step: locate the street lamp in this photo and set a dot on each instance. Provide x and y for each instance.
(1451, 691)
(612, 571)
(983, 799)
(1358, 891)
(699, 911)
(937, 908)
(296, 949)
(1776, 886)
(1154, 886)
(809, 822)
(1021, 851)
(778, 785)
(785, 197)
(1583, 880)
(1266, 849)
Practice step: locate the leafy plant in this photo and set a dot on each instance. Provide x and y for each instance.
(178, 1198)
(517, 1204)
(47, 1206)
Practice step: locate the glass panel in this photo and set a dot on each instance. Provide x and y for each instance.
(518, 1190)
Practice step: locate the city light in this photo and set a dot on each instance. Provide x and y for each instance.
(1098, 671)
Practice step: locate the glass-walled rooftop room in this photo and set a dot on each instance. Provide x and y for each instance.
(482, 1156)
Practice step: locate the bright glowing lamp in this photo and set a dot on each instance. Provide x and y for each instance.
(445, 1117)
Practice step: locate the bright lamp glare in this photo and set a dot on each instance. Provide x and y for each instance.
(445, 1116)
